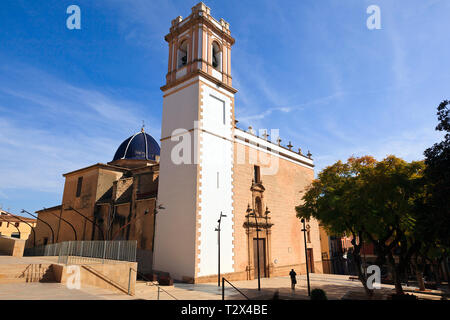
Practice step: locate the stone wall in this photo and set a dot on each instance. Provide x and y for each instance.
(11, 246)
(283, 192)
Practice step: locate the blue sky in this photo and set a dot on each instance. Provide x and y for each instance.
(310, 68)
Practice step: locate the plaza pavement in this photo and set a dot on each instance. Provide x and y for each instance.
(336, 287)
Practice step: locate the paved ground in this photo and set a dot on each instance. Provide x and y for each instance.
(336, 287)
(55, 291)
(4, 260)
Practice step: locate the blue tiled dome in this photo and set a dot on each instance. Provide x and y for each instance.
(140, 146)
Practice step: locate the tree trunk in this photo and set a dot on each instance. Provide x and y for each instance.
(446, 271)
(419, 274)
(395, 274)
(437, 271)
(361, 275)
(357, 264)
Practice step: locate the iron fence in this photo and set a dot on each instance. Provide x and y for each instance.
(77, 252)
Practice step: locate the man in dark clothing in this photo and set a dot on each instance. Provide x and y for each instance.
(293, 279)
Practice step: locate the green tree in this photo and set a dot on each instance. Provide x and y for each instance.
(333, 198)
(371, 200)
(435, 205)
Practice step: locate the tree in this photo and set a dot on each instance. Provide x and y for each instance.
(437, 174)
(435, 205)
(371, 200)
(333, 200)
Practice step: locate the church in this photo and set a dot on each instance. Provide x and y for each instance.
(169, 196)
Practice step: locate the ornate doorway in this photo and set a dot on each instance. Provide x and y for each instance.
(262, 257)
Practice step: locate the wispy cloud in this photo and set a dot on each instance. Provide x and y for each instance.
(56, 127)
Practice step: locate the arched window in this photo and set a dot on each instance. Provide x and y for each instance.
(216, 56)
(182, 54)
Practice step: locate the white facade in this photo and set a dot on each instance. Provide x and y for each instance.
(216, 165)
(175, 228)
(196, 162)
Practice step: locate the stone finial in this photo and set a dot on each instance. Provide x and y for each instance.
(300, 151)
(235, 122)
(290, 146)
(250, 130)
(177, 20)
(265, 135)
(224, 24)
(201, 7)
(279, 141)
(309, 155)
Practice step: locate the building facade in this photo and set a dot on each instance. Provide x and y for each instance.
(16, 226)
(170, 199)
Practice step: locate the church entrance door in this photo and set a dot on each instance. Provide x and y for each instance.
(310, 260)
(262, 257)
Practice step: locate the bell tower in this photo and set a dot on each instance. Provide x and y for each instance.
(196, 163)
(199, 45)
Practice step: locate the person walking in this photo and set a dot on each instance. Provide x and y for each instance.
(293, 279)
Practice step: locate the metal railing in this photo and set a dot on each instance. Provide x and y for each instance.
(223, 289)
(78, 252)
(149, 282)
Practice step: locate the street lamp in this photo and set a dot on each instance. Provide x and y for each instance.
(18, 230)
(37, 218)
(306, 256)
(218, 244)
(31, 227)
(251, 213)
(155, 211)
(95, 224)
(134, 219)
(71, 225)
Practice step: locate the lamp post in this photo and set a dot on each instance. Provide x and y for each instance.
(13, 225)
(95, 224)
(134, 219)
(155, 211)
(251, 213)
(73, 228)
(218, 244)
(31, 227)
(306, 257)
(37, 218)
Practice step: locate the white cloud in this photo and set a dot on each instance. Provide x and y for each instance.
(60, 127)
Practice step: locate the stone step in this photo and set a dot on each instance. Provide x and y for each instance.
(26, 273)
(16, 280)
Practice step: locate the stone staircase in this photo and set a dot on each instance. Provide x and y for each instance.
(17, 273)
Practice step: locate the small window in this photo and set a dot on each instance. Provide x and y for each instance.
(15, 235)
(182, 54)
(257, 176)
(79, 184)
(216, 56)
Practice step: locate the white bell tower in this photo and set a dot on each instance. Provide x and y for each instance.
(196, 164)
